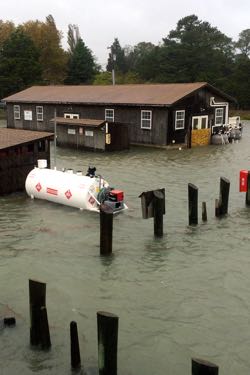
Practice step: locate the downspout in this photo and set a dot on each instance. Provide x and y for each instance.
(220, 104)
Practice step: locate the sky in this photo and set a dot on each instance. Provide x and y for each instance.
(131, 21)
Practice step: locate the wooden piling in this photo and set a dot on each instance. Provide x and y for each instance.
(224, 195)
(248, 190)
(106, 229)
(201, 367)
(107, 328)
(44, 325)
(204, 211)
(192, 204)
(158, 207)
(223, 198)
(74, 345)
(39, 329)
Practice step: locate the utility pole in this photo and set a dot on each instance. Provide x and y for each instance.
(113, 59)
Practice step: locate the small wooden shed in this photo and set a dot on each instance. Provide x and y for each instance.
(91, 134)
(19, 152)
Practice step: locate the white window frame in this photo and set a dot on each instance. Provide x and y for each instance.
(199, 118)
(220, 116)
(71, 116)
(180, 120)
(110, 115)
(39, 113)
(27, 115)
(146, 119)
(17, 112)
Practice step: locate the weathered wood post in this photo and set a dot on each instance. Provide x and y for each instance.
(217, 208)
(201, 367)
(158, 204)
(204, 211)
(39, 329)
(248, 190)
(107, 328)
(221, 207)
(192, 204)
(74, 346)
(153, 205)
(106, 229)
(44, 326)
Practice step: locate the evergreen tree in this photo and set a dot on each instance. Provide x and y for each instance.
(116, 59)
(81, 67)
(198, 51)
(19, 63)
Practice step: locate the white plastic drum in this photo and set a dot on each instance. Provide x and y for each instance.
(64, 188)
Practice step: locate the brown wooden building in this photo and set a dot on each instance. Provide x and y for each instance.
(95, 135)
(156, 114)
(19, 152)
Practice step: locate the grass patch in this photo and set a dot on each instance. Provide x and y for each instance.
(2, 114)
(244, 115)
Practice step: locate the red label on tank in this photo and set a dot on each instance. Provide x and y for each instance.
(91, 200)
(68, 194)
(38, 187)
(52, 191)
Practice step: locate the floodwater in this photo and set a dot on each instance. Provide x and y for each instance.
(182, 296)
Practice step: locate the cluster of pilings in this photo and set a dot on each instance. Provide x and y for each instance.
(153, 206)
(107, 334)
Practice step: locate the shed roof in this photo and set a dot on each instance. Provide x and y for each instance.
(79, 122)
(13, 137)
(140, 94)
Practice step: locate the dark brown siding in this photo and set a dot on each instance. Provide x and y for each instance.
(16, 162)
(163, 118)
(197, 104)
(129, 115)
(79, 140)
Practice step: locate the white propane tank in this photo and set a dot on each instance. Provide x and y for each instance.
(65, 188)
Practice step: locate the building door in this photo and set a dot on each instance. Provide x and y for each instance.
(200, 132)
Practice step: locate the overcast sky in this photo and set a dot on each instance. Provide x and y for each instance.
(131, 21)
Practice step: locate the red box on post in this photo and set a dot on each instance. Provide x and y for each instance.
(243, 180)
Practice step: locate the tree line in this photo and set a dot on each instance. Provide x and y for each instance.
(32, 53)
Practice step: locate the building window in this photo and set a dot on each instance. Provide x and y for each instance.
(219, 114)
(109, 115)
(17, 112)
(27, 115)
(146, 119)
(39, 113)
(71, 115)
(179, 120)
